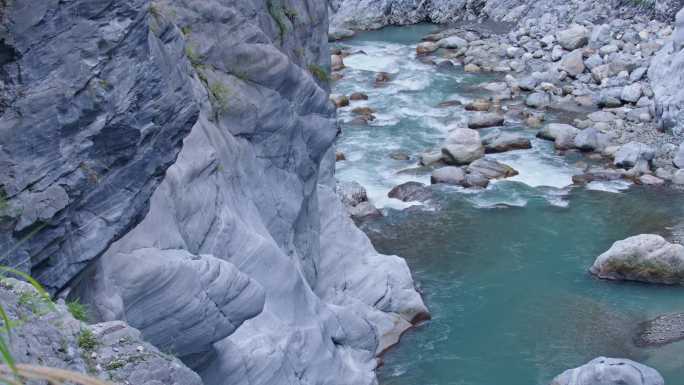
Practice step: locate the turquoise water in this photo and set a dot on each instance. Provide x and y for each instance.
(504, 271)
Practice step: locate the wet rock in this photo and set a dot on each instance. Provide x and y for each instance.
(538, 100)
(339, 156)
(430, 158)
(382, 77)
(610, 371)
(506, 141)
(562, 134)
(462, 147)
(355, 200)
(491, 169)
(356, 96)
(646, 258)
(410, 192)
(598, 175)
(631, 154)
(448, 175)
(478, 105)
(573, 38)
(663, 330)
(573, 63)
(472, 68)
(426, 48)
(485, 119)
(340, 100)
(476, 179)
(399, 155)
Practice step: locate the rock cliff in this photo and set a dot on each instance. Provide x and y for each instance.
(171, 165)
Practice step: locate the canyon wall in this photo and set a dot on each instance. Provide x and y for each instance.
(171, 164)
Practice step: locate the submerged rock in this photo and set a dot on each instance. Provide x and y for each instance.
(646, 258)
(610, 371)
(663, 330)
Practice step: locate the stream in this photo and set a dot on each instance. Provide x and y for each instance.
(504, 271)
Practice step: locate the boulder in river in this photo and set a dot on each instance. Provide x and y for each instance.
(355, 200)
(591, 139)
(478, 105)
(506, 141)
(562, 134)
(426, 48)
(645, 258)
(462, 147)
(336, 62)
(448, 175)
(610, 371)
(358, 96)
(452, 42)
(491, 169)
(410, 192)
(485, 119)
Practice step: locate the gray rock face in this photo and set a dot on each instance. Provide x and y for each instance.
(249, 210)
(101, 135)
(610, 371)
(646, 258)
(667, 81)
(179, 301)
(49, 335)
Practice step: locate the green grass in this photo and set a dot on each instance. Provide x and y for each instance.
(78, 310)
(319, 72)
(87, 340)
(280, 17)
(220, 93)
(193, 56)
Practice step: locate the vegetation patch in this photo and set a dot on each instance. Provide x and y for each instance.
(87, 340)
(78, 310)
(319, 72)
(220, 93)
(280, 17)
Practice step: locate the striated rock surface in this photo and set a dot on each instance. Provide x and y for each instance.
(49, 335)
(249, 210)
(610, 371)
(662, 330)
(646, 258)
(84, 141)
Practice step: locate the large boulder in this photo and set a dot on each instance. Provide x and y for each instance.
(463, 146)
(573, 38)
(646, 258)
(355, 200)
(452, 42)
(631, 93)
(410, 192)
(632, 154)
(538, 100)
(491, 169)
(506, 141)
(448, 175)
(610, 371)
(563, 135)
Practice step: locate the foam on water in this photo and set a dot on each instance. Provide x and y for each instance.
(616, 186)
